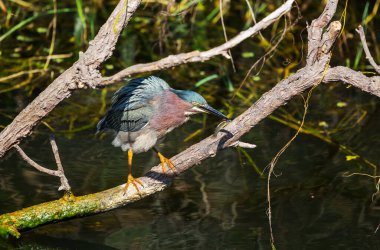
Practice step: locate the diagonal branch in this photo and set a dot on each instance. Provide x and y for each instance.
(369, 57)
(199, 56)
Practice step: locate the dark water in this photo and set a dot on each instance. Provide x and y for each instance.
(220, 204)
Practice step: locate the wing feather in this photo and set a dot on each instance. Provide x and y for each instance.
(130, 110)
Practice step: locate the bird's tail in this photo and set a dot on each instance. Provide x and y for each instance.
(100, 126)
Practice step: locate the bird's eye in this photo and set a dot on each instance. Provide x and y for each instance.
(195, 104)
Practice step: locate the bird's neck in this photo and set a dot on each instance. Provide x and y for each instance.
(171, 113)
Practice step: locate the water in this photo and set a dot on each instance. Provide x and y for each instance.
(220, 204)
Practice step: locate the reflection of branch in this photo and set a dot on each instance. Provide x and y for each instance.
(369, 57)
(202, 189)
(59, 173)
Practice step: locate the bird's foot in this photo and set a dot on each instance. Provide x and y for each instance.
(134, 182)
(164, 160)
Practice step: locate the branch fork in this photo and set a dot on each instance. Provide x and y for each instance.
(58, 173)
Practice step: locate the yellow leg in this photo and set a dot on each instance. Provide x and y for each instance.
(164, 160)
(131, 179)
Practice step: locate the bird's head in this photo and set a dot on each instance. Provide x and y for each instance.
(198, 103)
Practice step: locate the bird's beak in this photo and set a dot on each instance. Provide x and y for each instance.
(210, 110)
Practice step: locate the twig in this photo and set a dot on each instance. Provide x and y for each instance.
(59, 173)
(368, 55)
(225, 34)
(243, 145)
(35, 164)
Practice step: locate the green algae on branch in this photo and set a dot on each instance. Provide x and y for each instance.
(66, 207)
(70, 206)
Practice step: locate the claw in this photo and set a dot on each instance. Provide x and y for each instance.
(133, 181)
(164, 160)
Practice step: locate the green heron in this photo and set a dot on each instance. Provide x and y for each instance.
(144, 111)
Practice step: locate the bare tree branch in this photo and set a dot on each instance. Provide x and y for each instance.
(315, 30)
(243, 144)
(369, 57)
(59, 172)
(197, 56)
(354, 78)
(35, 164)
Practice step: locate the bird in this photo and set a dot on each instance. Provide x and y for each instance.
(143, 112)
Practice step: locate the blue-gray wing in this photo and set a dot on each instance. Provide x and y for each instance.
(131, 108)
(130, 120)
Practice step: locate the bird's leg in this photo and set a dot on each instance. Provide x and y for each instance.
(164, 160)
(131, 179)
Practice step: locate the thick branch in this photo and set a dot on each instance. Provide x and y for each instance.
(197, 56)
(368, 55)
(83, 73)
(316, 29)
